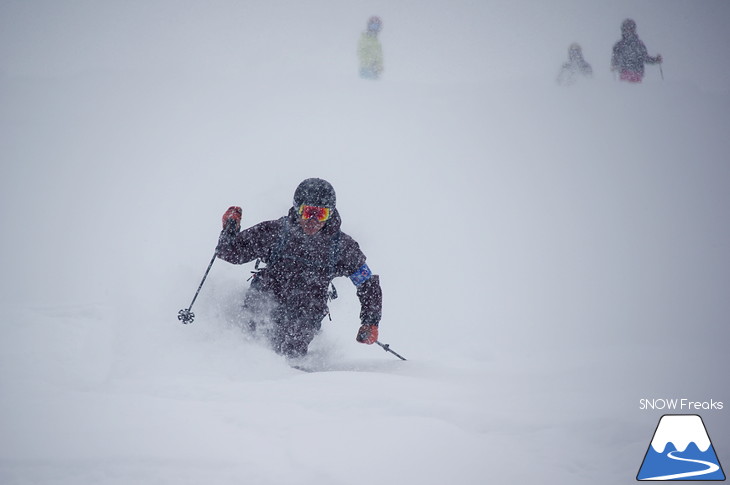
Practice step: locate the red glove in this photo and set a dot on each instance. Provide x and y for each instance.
(233, 214)
(367, 334)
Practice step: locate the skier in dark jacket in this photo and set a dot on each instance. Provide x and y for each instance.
(630, 54)
(303, 252)
(575, 68)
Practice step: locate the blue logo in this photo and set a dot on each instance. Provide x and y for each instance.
(681, 450)
(362, 274)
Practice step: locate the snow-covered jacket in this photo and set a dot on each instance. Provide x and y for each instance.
(299, 268)
(630, 54)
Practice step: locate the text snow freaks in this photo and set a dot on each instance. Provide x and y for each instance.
(679, 404)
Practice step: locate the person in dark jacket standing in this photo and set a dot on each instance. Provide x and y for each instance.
(303, 251)
(630, 54)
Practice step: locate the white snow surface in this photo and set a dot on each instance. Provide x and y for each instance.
(549, 256)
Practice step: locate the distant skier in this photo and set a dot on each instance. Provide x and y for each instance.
(630, 54)
(575, 68)
(369, 50)
(303, 252)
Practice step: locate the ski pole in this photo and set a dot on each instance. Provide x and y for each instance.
(185, 315)
(386, 347)
(661, 71)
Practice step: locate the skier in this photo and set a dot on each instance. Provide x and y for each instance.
(369, 50)
(575, 68)
(630, 54)
(303, 252)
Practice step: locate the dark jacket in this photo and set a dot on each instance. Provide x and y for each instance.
(630, 54)
(299, 268)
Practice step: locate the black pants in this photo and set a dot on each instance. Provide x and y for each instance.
(293, 331)
(288, 328)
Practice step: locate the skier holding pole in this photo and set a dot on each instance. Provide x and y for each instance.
(630, 55)
(303, 252)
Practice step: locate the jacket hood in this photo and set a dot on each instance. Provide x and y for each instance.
(575, 53)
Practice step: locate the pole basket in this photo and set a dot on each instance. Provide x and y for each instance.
(186, 316)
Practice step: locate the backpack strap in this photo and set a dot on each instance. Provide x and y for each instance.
(334, 253)
(276, 253)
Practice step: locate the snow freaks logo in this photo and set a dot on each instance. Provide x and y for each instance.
(680, 450)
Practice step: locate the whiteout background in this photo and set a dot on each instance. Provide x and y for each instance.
(548, 256)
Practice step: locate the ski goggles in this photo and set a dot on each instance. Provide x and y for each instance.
(312, 212)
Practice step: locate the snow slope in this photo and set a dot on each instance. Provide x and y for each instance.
(548, 256)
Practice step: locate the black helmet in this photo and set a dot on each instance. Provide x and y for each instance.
(316, 192)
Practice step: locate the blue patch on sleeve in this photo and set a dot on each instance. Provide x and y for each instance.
(361, 275)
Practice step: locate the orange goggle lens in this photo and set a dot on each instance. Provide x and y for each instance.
(310, 211)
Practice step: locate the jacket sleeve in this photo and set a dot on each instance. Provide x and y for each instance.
(244, 246)
(369, 293)
(645, 55)
(652, 60)
(615, 57)
(371, 300)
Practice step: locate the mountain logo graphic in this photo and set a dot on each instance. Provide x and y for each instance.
(681, 450)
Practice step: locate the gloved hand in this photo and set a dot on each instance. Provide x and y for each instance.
(367, 334)
(233, 216)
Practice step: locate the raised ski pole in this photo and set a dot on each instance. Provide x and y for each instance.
(386, 347)
(185, 315)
